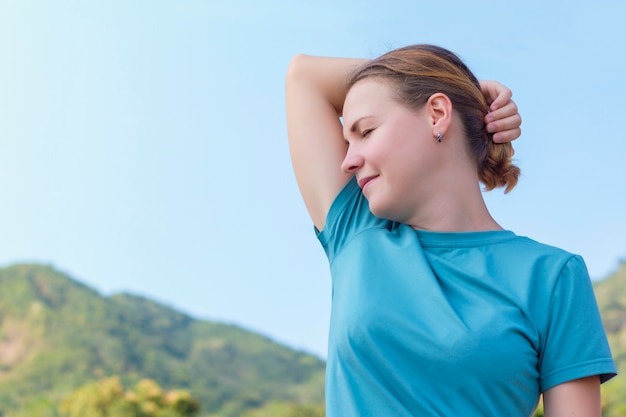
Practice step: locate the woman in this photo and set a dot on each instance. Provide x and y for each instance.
(437, 310)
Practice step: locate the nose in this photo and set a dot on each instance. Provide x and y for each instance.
(352, 162)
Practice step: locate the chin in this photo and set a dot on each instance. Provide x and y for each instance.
(387, 211)
(381, 211)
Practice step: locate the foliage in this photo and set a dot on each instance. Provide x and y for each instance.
(57, 335)
(278, 409)
(611, 295)
(107, 398)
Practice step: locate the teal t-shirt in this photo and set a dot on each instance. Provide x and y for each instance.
(451, 324)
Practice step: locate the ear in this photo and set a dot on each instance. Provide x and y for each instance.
(439, 108)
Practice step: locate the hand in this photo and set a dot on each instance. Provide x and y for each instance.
(503, 119)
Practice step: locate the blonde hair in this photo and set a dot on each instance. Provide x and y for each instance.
(418, 71)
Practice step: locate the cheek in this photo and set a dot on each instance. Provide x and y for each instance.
(411, 168)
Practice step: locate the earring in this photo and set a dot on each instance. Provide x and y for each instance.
(439, 136)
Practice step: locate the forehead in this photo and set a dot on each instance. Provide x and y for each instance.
(368, 97)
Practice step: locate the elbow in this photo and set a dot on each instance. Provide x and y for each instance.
(297, 68)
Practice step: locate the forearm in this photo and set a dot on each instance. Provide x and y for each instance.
(316, 88)
(324, 76)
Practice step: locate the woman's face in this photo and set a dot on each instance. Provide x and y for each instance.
(392, 150)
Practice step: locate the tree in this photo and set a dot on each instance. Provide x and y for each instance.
(107, 398)
(283, 409)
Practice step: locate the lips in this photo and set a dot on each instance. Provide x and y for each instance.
(363, 181)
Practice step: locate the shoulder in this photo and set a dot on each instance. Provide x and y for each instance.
(544, 258)
(536, 271)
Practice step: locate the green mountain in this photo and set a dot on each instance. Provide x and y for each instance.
(611, 296)
(57, 334)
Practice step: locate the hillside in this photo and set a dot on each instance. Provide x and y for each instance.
(611, 296)
(57, 334)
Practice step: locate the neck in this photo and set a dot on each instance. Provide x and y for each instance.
(455, 204)
(453, 215)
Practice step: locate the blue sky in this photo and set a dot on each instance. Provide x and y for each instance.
(143, 144)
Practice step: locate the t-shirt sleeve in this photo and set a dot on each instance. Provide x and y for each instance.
(348, 216)
(575, 344)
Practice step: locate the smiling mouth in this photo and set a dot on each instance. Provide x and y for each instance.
(364, 181)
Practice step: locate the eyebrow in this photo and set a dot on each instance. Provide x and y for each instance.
(357, 122)
(355, 127)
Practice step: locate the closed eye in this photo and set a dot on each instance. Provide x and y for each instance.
(365, 133)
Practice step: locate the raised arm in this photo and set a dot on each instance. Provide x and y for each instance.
(316, 88)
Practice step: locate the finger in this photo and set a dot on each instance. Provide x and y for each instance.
(507, 135)
(507, 123)
(503, 98)
(507, 110)
(497, 94)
